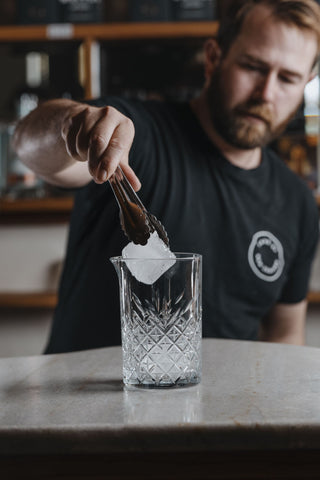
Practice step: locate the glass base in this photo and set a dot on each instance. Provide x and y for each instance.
(162, 385)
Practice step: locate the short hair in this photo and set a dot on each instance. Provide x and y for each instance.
(305, 14)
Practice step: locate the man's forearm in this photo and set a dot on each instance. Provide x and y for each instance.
(285, 323)
(293, 338)
(38, 141)
(70, 144)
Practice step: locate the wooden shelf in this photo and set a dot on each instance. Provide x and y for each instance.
(25, 205)
(89, 33)
(107, 31)
(314, 297)
(28, 300)
(37, 210)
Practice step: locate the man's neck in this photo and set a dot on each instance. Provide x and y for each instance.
(246, 159)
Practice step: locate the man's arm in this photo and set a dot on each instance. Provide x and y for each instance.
(285, 323)
(68, 143)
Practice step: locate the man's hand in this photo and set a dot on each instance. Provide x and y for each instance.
(103, 138)
(68, 143)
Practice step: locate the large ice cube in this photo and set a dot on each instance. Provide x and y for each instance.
(159, 256)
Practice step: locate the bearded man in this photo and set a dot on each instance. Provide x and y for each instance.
(204, 169)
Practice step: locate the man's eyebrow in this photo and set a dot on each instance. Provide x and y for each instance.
(257, 61)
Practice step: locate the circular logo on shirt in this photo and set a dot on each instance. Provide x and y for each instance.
(265, 256)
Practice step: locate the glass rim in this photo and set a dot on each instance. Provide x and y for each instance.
(179, 256)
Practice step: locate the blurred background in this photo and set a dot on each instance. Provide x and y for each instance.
(82, 49)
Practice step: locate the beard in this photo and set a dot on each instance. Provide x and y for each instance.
(233, 125)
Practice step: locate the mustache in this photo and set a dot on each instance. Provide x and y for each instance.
(261, 111)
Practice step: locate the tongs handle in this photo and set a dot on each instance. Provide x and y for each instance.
(135, 220)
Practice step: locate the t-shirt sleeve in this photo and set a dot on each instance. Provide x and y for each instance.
(296, 288)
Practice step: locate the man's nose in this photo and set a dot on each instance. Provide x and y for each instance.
(266, 88)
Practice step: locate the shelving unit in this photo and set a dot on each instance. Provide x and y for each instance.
(90, 33)
(58, 209)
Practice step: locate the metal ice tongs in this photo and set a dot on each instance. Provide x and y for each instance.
(136, 222)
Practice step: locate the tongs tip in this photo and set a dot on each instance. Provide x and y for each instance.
(136, 222)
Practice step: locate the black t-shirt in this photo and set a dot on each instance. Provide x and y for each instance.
(256, 229)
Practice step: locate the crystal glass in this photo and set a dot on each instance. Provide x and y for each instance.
(161, 322)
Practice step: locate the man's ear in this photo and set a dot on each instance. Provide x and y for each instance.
(212, 57)
(314, 73)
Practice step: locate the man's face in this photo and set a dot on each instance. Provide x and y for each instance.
(258, 86)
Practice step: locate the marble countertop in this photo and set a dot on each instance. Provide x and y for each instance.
(253, 396)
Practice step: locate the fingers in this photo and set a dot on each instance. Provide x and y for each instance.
(102, 137)
(76, 133)
(110, 143)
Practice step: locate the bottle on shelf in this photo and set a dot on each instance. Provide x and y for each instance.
(35, 88)
(16, 179)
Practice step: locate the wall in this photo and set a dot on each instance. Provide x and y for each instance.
(31, 259)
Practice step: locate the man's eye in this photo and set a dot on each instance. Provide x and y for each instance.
(253, 68)
(286, 79)
(249, 66)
